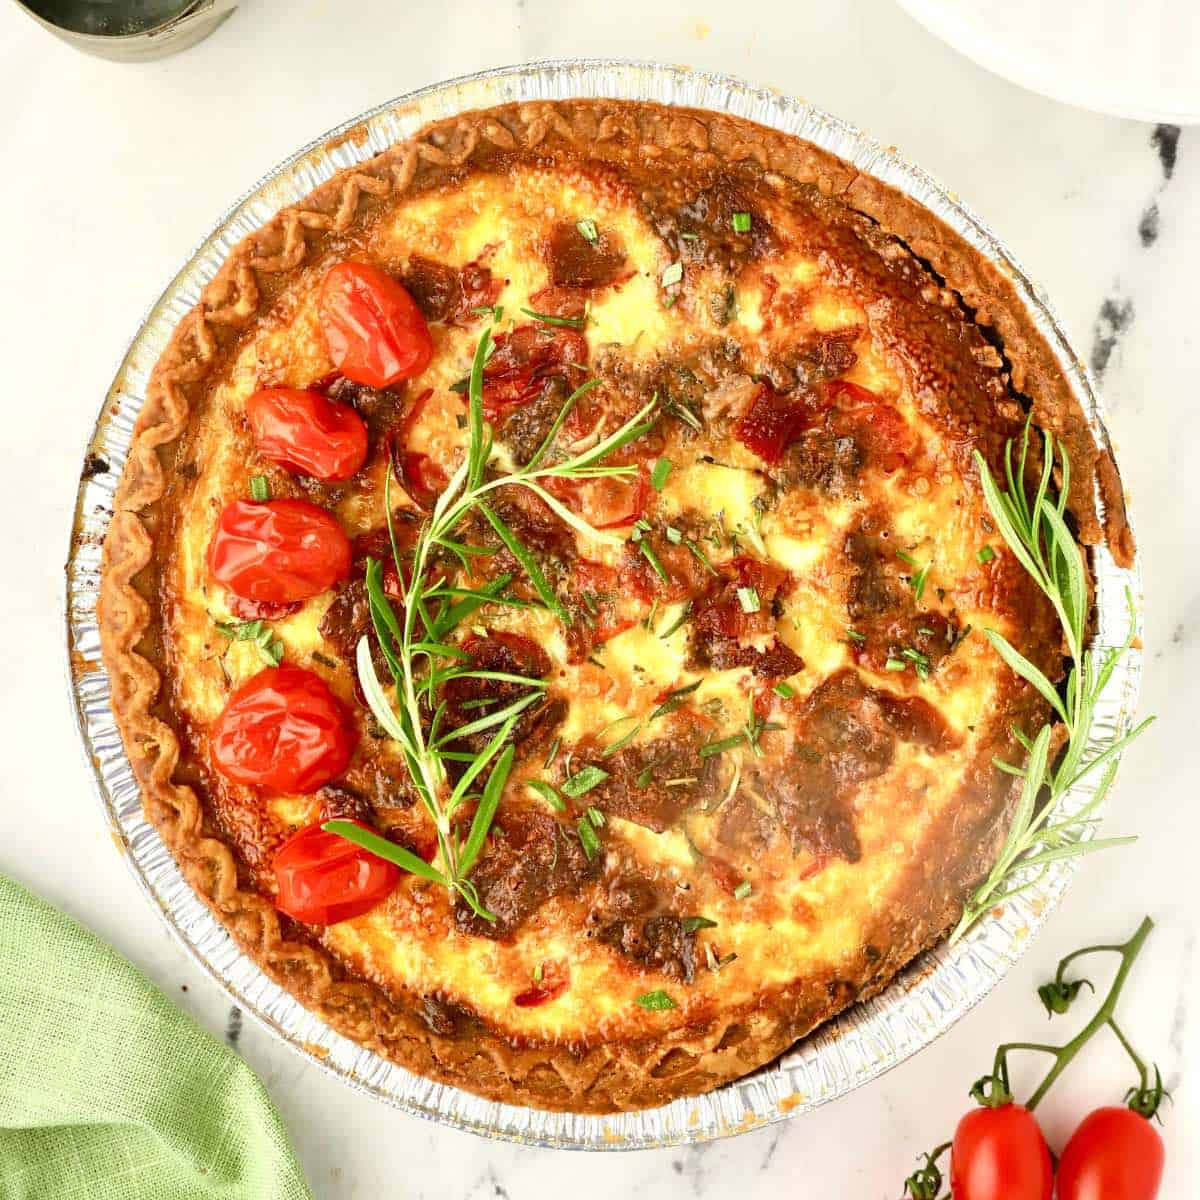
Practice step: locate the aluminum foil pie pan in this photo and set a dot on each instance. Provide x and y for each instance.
(862, 1043)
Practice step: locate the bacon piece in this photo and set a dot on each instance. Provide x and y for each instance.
(577, 263)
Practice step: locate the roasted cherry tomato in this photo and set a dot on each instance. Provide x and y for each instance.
(1115, 1154)
(1000, 1154)
(324, 879)
(421, 478)
(285, 730)
(278, 550)
(373, 328)
(307, 433)
(604, 503)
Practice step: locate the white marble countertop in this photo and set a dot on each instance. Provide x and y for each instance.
(115, 171)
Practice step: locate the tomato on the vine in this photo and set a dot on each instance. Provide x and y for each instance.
(1114, 1154)
(373, 329)
(283, 729)
(324, 879)
(278, 551)
(1000, 1154)
(307, 433)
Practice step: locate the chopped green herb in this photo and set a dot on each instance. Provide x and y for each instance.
(260, 489)
(920, 662)
(583, 781)
(672, 274)
(691, 924)
(677, 408)
(271, 652)
(596, 817)
(895, 664)
(690, 237)
(537, 973)
(461, 386)
(645, 775)
(588, 231)
(711, 748)
(674, 536)
(669, 302)
(701, 557)
(918, 579)
(748, 599)
(653, 560)
(785, 690)
(656, 1001)
(679, 620)
(622, 741)
(743, 890)
(674, 700)
(854, 635)
(741, 222)
(325, 660)
(985, 554)
(553, 753)
(549, 319)
(547, 793)
(658, 477)
(587, 838)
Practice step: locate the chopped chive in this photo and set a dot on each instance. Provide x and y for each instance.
(711, 748)
(658, 477)
(537, 973)
(260, 489)
(587, 838)
(743, 890)
(595, 816)
(552, 754)
(547, 793)
(895, 664)
(748, 599)
(854, 635)
(741, 222)
(785, 690)
(669, 302)
(588, 231)
(653, 560)
(691, 924)
(690, 237)
(644, 776)
(985, 554)
(679, 620)
(651, 616)
(583, 781)
(674, 700)
(674, 536)
(271, 652)
(672, 274)
(656, 1001)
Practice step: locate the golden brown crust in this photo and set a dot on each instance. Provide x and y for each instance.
(609, 1076)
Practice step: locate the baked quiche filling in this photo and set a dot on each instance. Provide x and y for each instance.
(703, 643)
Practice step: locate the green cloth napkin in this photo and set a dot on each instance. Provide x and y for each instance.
(110, 1092)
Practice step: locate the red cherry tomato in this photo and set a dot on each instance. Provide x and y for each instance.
(605, 503)
(1115, 1154)
(1000, 1154)
(307, 433)
(278, 550)
(373, 328)
(285, 730)
(324, 879)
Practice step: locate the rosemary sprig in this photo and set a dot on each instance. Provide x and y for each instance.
(1036, 531)
(416, 642)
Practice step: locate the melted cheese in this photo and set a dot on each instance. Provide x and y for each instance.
(791, 926)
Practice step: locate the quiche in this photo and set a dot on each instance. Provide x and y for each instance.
(543, 600)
